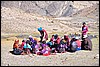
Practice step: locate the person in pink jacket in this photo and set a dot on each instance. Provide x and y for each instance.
(78, 43)
(84, 29)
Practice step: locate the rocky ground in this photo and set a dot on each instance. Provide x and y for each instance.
(79, 58)
(23, 22)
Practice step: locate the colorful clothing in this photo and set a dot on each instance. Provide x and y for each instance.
(46, 51)
(78, 44)
(57, 41)
(84, 30)
(22, 45)
(27, 46)
(44, 35)
(16, 44)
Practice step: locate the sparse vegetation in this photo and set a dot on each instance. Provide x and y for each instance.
(17, 23)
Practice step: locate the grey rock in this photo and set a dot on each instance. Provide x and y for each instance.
(48, 8)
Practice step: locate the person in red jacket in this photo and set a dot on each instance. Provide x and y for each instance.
(51, 40)
(44, 35)
(84, 29)
(22, 44)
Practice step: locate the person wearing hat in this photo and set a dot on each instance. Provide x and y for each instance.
(84, 29)
(44, 35)
(86, 43)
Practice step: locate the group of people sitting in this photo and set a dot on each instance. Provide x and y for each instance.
(53, 46)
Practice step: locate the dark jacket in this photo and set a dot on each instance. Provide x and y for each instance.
(86, 44)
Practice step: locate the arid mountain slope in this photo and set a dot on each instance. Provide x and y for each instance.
(16, 20)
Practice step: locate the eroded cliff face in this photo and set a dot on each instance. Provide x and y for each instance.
(50, 8)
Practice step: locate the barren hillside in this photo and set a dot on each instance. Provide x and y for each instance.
(50, 8)
(16, 20)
